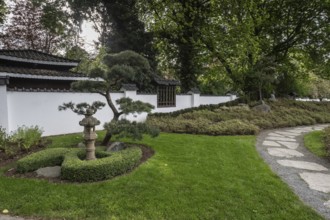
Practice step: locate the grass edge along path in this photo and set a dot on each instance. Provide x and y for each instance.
(189, 177)
(314, 142)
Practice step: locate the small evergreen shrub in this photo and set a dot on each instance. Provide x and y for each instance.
(77, 170)
(3, 138)
(234, 126)
(26, 137)
(21, 140)
(48, 157)
(134, 130)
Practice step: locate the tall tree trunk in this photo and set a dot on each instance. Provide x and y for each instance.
(116, 116)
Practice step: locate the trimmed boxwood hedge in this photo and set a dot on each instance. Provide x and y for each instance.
(45, 158)
(74, 168)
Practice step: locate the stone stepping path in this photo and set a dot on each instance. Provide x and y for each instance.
(307, 174)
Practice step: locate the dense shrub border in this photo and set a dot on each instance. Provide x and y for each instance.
(108, 164)
(236, 119)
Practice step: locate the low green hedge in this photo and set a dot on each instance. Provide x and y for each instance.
(75, 169)
(48, 157)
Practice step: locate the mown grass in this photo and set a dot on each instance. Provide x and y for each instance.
(314, 142)
(189, 177)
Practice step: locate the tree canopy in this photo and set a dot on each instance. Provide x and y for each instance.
(119, 24)
(37, 25)
(216, 45)
(232, 37)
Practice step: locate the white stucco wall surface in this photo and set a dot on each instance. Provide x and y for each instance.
(207, 100)
(3, 107)
(41, 108)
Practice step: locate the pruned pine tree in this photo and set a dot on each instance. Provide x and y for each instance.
(124, 67)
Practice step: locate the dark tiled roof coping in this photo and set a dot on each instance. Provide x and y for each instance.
(36, 57)
(129, 87)
(167, 82)
(194, 91)
(38, 72)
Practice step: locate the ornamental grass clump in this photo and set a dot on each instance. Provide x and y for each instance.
(26, 137)
(23, 140)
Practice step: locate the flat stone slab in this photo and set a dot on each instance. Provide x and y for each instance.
(296, 132)
(291, 145)
(320, 127)
(287, 134)
(302, 165)
(275, 135)
(281, 152)
(51, 172)
(327, 204)
(304, 129)
(271, 143)
(280, 139)
(317, 181)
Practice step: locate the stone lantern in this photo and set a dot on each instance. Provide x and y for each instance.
(89, 123)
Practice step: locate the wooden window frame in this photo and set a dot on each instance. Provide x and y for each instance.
(166, 96)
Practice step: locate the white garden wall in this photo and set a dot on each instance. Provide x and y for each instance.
(209, 99)
(41, 108)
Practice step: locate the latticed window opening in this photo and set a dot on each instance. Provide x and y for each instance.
(166, 96)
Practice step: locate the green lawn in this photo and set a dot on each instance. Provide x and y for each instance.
(189, 177)
(315, 143)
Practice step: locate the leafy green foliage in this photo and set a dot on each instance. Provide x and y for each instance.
(3, 10)
(217, 120)
(178, 27)
(109, 166)
(124, 67)
(133, 130)
(78, 53)
(3, 138)
(127, 106)
(26, 137)
(38, 25)
(81, 108)
(115, 69)
(119, 25)
(233, 38)
(23, 139)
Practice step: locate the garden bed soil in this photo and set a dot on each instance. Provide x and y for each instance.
(5, 159)
(147, 152)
